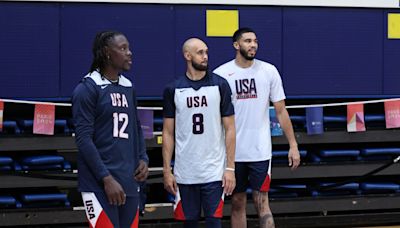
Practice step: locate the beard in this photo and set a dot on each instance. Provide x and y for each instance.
(200, 67)
(246, 55)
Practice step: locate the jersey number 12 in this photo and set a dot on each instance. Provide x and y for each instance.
(120, 132)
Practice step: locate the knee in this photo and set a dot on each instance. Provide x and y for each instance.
(238, 204)
(261, 203)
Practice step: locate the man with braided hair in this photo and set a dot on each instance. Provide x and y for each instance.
(112, 159)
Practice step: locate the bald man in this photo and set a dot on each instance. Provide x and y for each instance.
(199, 127)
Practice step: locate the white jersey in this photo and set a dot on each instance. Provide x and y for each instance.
(252, 89)
(198, 107)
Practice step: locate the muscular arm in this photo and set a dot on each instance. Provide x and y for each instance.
(229, 181)
(286, 125)
(168, 139)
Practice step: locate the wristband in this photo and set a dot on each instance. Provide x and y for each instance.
(230, 169)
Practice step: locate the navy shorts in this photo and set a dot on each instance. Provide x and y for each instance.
(256, 175)
(102, 214)
(191, 198)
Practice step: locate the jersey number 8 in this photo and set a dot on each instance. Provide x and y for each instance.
(198, 126)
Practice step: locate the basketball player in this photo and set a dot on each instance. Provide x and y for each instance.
(254, 84)
(112, 158)
(199, 125)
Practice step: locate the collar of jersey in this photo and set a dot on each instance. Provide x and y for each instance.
(96, 77)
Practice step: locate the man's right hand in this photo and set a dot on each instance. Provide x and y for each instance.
(115, 193)
(170, 183)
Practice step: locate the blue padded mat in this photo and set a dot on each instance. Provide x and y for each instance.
(349, 186)
(5, 160)
(10, 124)
(17, 166)
(42, 160)
(290, 187)
(315, 158)
(42, 167)
(339, 153)
(347, 189)
(284, 153)
(9, 201)
(67, 165)
(335, 119)
(374, 118)
(44, 197)
(281, 156)
(379, 186)
(380, 151)
(45, 200)
(335, 155)
(158, 121)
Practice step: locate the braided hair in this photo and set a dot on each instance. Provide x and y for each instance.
(100, 59)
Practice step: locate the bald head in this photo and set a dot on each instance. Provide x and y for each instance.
(195, 51)
(192, 44)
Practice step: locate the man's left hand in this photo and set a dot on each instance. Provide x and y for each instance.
(229, 182)
(142, 171)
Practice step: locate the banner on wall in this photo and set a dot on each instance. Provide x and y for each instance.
(276, 129)
(315, 120)
(146, 118)
(355, 118)
(1, 115)
(392, 114)
(43, 122)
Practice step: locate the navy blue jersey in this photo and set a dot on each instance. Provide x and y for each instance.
(108, 133)
(198, 108)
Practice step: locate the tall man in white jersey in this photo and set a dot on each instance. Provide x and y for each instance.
(254, 84)
(199, 126)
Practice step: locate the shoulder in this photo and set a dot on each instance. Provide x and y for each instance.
(86, 85)
(265, 66)
(95, 78)
(180, 82)
(169, 89)
(170, 86)
(124, 81)
(217, 79)
(222, 69)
